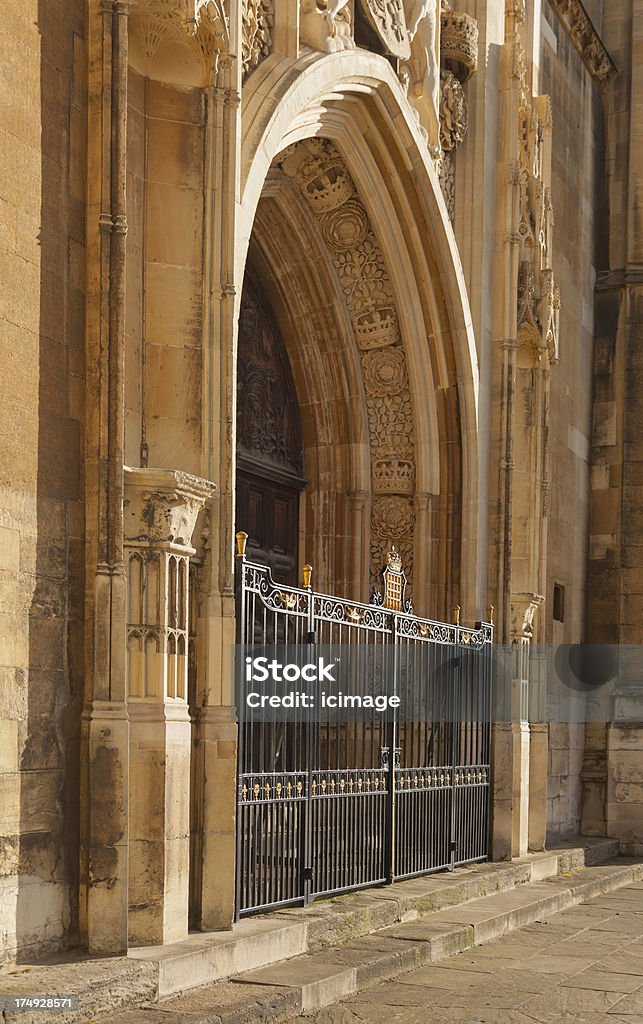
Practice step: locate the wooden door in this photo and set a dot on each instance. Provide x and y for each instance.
(269, 442)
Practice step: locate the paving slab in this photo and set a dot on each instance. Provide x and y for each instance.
(488, 985)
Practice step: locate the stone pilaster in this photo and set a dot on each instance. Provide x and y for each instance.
(160, 513)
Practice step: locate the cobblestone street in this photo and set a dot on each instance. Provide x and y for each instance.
(582, 966)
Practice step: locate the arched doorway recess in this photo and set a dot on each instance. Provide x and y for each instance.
(415, 480)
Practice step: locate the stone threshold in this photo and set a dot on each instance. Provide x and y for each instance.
(261, 953)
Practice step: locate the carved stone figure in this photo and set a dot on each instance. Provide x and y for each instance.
(326, 25)
(453, 112)
(422, 71)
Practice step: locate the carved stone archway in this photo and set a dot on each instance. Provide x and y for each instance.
(362, 112)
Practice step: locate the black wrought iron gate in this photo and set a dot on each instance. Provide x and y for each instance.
(329, 805)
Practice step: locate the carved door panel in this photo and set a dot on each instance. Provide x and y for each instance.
(269, 442)
(269, 514)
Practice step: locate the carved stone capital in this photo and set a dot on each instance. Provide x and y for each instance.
(161, 507)
(198, 27)
(523, 610)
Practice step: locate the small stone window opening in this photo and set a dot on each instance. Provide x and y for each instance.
(559, 602)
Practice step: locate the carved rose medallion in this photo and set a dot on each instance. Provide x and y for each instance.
(385, 371)
(386, 18)
(346, 227)
(392, 518)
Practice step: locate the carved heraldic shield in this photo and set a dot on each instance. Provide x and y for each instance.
(386, 18)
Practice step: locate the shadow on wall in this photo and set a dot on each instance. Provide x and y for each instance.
(47, 895)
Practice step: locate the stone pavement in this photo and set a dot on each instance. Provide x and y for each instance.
(582, 966)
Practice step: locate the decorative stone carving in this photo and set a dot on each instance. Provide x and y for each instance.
(320, 173)
(392, 517)
(527, 324)
(385, 371)
(326, 25)
(160, 511)
(514, 9)
(523, 610)
(161, 506)
(316, 167)
(267, 415)
(256, 22)
(377, 325)
(585, 38)
(447, 183)
(459, 60)
(345, 227)
(393, 476)
(200, 28)
(387, 19)
(453, 112)
(391, 425)
(458, 43)
(211, 17)
(421, 72)
(549, 310)
(538, 299)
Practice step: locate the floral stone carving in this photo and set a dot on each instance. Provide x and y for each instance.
(256, 22)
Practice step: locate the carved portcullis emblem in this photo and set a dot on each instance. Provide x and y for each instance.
(386, 18)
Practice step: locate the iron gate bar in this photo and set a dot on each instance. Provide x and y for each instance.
(329, 806)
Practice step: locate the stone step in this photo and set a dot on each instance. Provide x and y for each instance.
(324, 978)
(150, 974)
(275, 994)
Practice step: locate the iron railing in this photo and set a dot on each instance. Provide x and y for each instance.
(328, 804)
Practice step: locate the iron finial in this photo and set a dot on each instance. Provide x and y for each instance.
(307, 572)
(456, 615)
(490, 611)
(242, 540)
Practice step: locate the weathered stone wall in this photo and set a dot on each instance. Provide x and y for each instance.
(576, 177)
(164, 296)
(577, 154)
(616, 549)
(42, 266)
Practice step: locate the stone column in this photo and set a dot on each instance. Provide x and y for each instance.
(538, 774)
(104, 738)
(502, 754)
(624, 797)
(160, 513)
(215, 713)
(594, 780)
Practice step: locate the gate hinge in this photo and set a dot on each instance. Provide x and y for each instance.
(308, 874)
(454, 846)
